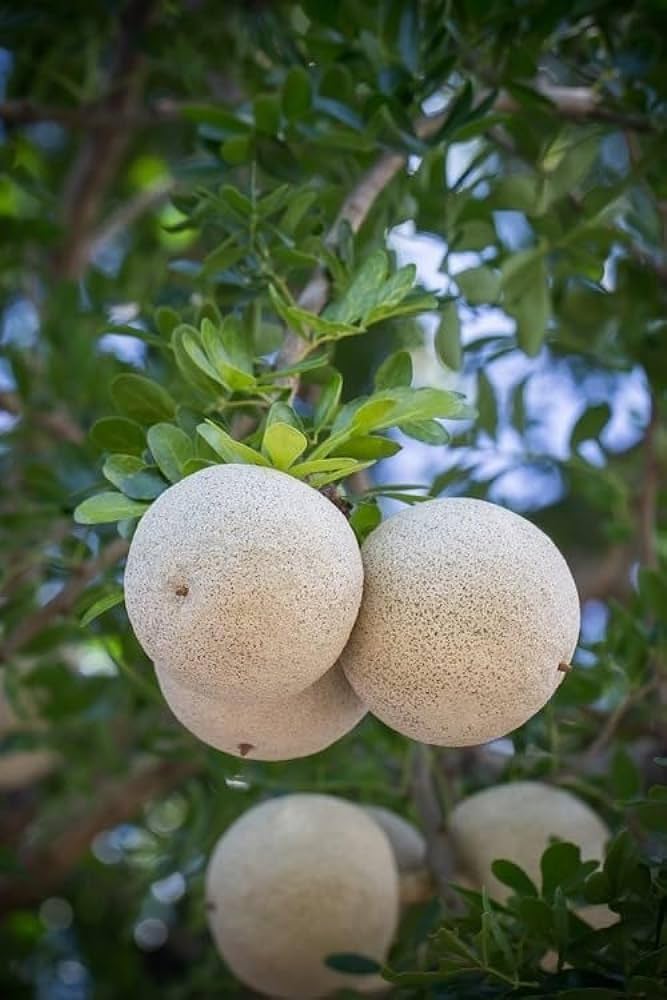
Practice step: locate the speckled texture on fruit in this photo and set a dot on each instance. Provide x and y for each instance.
(243, 574)
(294, 880)
(516, 822)
(276, 729)
(407, 843)
(468, 609)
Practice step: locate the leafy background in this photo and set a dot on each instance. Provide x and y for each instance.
(164, 167)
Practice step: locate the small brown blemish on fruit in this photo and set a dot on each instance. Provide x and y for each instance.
(182, 590)
(564, 667)
(245, 748)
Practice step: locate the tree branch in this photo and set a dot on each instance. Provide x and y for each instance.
(57, 422)
(573, 103)
(439, 856)
(47, 863)
(129, 212)
(99, 156)
(64, 600)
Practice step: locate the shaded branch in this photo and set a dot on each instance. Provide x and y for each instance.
(101, 152)
(128, 213)
(24, 111)
(614, 720)
(439, 856)
(56, 422)
(64, 600)
(46, 863)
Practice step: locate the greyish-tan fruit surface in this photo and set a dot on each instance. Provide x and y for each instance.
(294, 880)
(516, 822)
(407, 843)
(267, 729)
(243, 575)
(469, 618)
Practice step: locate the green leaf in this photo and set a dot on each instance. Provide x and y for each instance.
(590, 424)
(266, 109)
(448, 337)
(392, 293)
(427, 431)
(117, 468)
(514, 877)
(327, 404)
(479, 285)
(228, 253)
(361, 295)
(391, 408)
(233, 199)
(130, 475)
(283, 444)
(302, 321)
(196, 465)
(323, 465)
(621, 861)
(280, 412)
(624, 777)
(427, 403)
(365, 518)
(236, 344)
(237, 149)
(487, 405)
(309, 364)
(320, 479)
(597, 888)
(224, 445)
(166, 320)
(353, 964)
(537, 915)
(531, 306)
(103, 604)
(367, 446)
(188, 340)
(396, 370)
(296, 94)
(108, 507)
(204, 383)
(118, 434)
(372, 414)
(171, 448)
(225, 351)
(559, 864)
(141, 399)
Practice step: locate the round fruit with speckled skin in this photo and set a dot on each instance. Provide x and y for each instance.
(244, 576)
(468, 612)
(406, 841)
(516, 821)
(296, 879)
(275, 729)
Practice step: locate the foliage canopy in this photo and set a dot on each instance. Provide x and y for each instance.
(365, 243)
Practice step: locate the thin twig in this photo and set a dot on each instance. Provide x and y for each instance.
(613, 721)
(64, 600)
